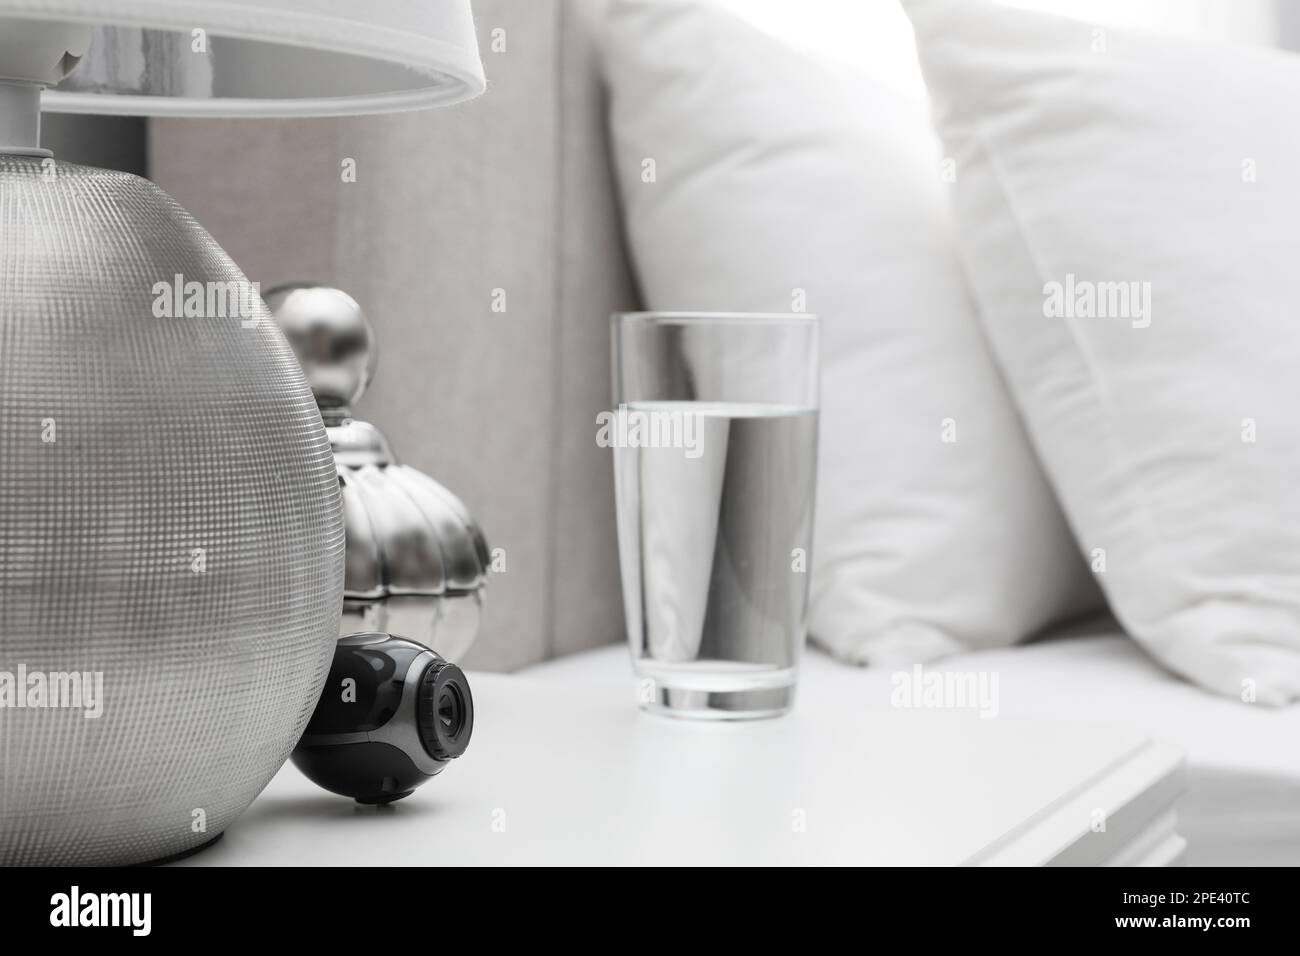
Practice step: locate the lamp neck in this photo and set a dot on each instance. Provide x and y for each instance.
(20, 119)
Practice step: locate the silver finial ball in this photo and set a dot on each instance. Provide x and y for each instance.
(332, 338)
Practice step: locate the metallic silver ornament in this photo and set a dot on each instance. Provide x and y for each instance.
(417, 560)
(169, 521)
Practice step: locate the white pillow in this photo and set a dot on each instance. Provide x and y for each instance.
(773, 176)
(1088, 157)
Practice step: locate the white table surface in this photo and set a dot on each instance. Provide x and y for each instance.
(564, 769)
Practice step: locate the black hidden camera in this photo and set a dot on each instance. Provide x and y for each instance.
(392, 715)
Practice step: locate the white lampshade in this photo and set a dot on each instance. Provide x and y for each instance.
(263, 57)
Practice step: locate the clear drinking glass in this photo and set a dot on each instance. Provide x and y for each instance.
(715, 463)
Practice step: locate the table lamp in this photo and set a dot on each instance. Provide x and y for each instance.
(171, 534)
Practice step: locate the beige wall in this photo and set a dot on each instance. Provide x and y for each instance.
(512, 192)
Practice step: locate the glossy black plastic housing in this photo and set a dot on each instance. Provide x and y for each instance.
(392, 715)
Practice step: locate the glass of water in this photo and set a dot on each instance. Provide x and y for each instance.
(715, 463)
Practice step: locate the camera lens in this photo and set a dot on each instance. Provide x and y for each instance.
(445, 711)
(451, 710)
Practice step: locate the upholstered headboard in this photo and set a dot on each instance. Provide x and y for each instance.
(506, 200)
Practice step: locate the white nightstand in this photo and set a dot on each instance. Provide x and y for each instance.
(564, 769)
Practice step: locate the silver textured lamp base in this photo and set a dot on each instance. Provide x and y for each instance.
(169, 520)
